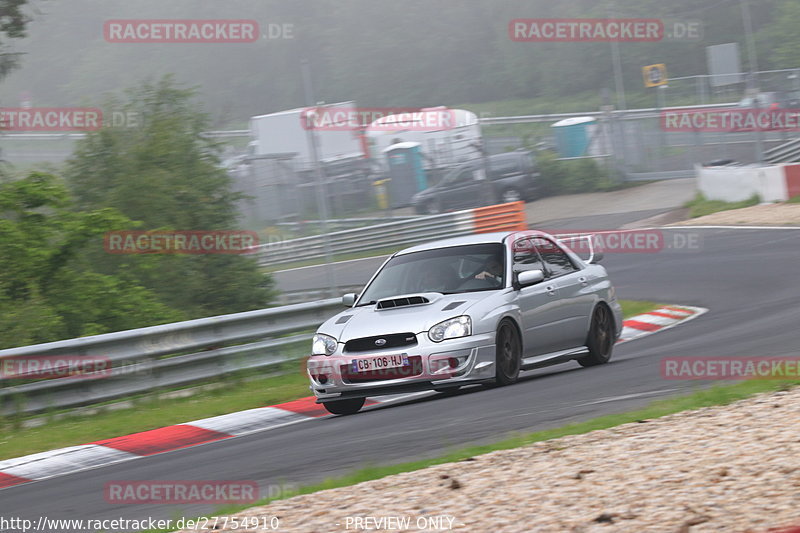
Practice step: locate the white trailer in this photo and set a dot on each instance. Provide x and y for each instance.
(455, 143)
(285, 132)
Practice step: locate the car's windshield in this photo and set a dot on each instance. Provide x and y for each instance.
(477, 267)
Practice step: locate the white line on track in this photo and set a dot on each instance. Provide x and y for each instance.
(627, 397)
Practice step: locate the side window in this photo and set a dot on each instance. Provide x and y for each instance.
(555, 259)
(529, 163)
(525, 256)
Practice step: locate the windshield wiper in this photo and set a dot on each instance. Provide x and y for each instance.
(373, 302)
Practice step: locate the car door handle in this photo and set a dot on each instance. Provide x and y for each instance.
(551, 290)
(583, 281)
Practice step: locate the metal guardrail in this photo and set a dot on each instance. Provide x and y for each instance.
(309, 295)
(787, 152)
(170, 355)
(395, 234)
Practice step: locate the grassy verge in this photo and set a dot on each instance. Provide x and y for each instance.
(153, 412)
(794, 200)
(632, 307)
(701, 206)
(718, 395)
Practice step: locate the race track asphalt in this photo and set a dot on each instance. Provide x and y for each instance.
(746, 277)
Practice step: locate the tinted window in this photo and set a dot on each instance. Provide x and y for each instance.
(556, 260)
(460, 176)
(447, 270)
(525, 256)
(504, 165)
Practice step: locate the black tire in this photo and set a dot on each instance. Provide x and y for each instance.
(600, 339)
(434, 207)
(508, 354)
(344, 407)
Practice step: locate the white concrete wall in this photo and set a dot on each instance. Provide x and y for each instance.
(734, 184)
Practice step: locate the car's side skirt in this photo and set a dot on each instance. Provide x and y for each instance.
(553, 358)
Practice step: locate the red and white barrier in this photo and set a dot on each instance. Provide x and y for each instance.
(772, 183)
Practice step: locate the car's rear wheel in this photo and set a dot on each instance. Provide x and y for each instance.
(600, 340)
(511, 195)
(508, 356)
(344, 407)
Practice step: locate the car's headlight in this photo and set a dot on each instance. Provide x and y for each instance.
(460, 326)
(323, 345)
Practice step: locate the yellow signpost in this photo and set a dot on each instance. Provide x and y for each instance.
(654, 75)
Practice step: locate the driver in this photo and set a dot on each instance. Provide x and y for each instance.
(492, 270)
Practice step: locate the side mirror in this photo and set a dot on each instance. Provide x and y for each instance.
(596, 258)
(529, 277)
(349, 299)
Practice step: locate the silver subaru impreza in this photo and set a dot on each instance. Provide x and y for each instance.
(461, 311)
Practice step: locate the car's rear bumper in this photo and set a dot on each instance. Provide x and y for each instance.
(430, 369)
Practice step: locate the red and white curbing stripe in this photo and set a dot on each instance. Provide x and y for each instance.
(662, 318)
(63, 461)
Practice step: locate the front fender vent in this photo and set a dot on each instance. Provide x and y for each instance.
(391, 303)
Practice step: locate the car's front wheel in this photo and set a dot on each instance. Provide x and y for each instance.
(511, 195)
(600, 340)
(508, 356)
(344, 407)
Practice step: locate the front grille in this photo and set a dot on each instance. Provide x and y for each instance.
(414, 368)
(394, 340)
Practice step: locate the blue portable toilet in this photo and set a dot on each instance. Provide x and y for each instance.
(405, 172)
(574, 135)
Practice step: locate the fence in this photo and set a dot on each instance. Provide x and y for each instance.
(393, 235)
(170, 355)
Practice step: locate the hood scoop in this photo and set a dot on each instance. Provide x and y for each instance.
(343, 319)
(391, 303)
(452, 305)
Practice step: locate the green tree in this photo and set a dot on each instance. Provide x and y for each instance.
(13, 21)
(47, 290)
(164, 174)
(781, 39)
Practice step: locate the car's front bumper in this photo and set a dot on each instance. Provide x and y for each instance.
(430, 369)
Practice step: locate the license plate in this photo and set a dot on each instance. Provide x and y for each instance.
(379, 362)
